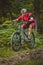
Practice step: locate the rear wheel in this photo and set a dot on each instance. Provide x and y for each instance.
(31, 42)
(16, 41)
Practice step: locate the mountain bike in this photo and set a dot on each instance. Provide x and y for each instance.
(20, 35)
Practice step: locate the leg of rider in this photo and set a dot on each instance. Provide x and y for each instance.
(31, 26)
(30, 30)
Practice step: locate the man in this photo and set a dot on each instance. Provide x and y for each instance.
(29, 19)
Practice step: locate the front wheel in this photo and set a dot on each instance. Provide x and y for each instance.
(16, 41)
(31, 43)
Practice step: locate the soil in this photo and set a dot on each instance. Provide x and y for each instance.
(36, 54)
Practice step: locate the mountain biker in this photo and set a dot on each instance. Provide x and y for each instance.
(29, 19)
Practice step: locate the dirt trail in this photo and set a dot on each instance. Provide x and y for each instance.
(18, 57)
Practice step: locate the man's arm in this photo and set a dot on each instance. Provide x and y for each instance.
(31, 19)
(18, 19)
(15, 20)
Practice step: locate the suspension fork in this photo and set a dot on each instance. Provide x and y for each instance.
(23, 33)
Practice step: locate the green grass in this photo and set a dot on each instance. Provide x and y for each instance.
(6, 52)
(31, 62)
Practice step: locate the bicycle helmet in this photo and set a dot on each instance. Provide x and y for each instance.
(24, 10)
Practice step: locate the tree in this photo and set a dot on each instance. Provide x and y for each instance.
(37, 11)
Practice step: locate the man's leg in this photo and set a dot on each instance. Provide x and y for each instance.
(30, 31)
(31, 26)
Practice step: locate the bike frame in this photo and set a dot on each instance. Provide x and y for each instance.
(22, 31)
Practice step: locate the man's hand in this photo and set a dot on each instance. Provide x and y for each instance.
(14, 20)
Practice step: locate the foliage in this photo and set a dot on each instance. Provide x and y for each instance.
(10, 7)
(6, 31)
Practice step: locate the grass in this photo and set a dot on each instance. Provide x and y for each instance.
(6, 52)
(31, 62)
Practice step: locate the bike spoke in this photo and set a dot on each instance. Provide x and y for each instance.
(16, 41)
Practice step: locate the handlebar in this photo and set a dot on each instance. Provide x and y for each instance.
(14, 22)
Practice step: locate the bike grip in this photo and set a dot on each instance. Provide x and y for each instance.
(14, 22)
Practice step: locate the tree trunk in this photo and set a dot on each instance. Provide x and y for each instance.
(37, 12)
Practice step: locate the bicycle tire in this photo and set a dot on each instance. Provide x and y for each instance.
(16, 42)
(31, 43)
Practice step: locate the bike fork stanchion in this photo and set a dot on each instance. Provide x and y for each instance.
(23, 35)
